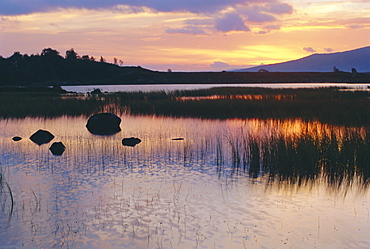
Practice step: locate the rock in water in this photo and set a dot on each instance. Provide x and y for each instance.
(132, 141)
(57, 148)
(16, 138)
(104, 124)
(41, 137)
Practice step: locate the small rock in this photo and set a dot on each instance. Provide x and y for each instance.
(16, 138)
(57, 148)
(41, 137)
(132, 141)
(178, 138)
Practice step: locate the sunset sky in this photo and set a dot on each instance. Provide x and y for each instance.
(191, 35)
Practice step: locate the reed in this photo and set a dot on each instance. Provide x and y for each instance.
(5, 192)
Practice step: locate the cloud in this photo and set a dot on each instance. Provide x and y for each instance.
(309, 49)
(328, 50)
(194, 30)
(356, 26)
(207, 21)
(230, 22)
(218, 64)
(11, 7)
(278, 8)
(235, 15)
(257, 16)
(273, 27)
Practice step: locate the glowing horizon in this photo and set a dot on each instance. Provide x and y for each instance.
(186, 36)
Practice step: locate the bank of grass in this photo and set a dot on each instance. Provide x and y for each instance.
(328, 105)
(45, 102)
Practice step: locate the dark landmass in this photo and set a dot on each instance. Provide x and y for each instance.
(354, 60)
(49, 68)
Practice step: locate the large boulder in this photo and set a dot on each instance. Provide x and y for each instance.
(57, 148)
(131, 141)
(104, 124)
(41, 137)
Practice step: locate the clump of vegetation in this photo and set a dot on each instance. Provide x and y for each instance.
(339, 160)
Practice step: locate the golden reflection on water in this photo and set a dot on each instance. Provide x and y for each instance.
(192, 193)
(291, 127)
(239, 96)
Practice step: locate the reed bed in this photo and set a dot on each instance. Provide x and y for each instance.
(329, 105)
(303, 159)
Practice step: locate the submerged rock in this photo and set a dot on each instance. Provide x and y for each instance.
(57, 148)
(131, 141)
(104, 124)
(16, 138)
(41, 137)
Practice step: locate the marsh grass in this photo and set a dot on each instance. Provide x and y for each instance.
(304, 159)
(329, 105)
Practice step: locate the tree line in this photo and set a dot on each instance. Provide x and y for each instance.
(50, 67)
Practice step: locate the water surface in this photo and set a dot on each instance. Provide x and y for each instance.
(224, 185)
(173, 87)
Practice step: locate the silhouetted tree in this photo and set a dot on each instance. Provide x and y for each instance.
(85, 57)
(115, 60)
(16, 57)
(102, 59)
(120, 62)
(335, 69)
(49, 52)
(71, 54)
(354, 71)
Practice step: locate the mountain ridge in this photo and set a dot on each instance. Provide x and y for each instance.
(322, 62)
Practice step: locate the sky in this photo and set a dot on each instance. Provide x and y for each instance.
(191, 35)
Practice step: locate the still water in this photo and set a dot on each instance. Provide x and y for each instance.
(222, 185)
(173, 87)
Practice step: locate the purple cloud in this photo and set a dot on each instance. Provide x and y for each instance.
(309, 49)
(278, 8)
(194, 30)
(220, 64)
(256, 16)
(230, 22)
(11, 7)
(356, 26)
(328, 50)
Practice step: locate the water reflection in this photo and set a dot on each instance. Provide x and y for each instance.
(224, 184)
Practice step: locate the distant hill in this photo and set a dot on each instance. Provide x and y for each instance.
(344, 61)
